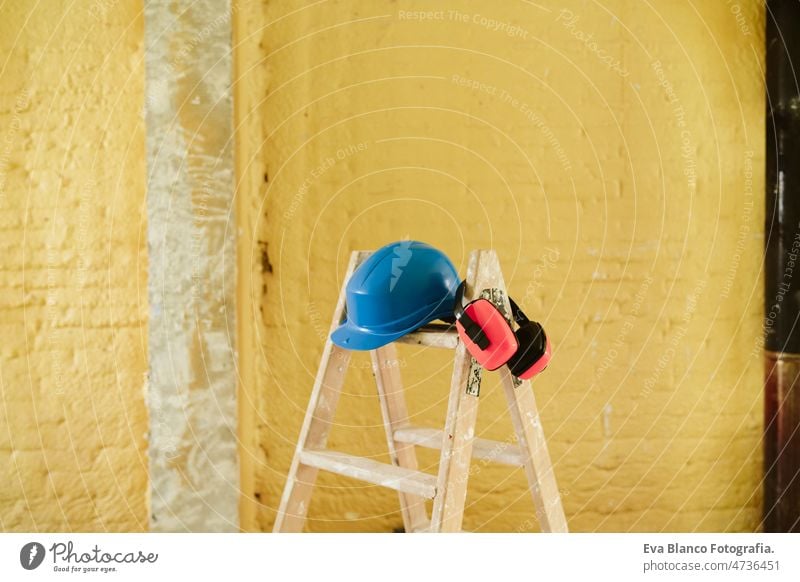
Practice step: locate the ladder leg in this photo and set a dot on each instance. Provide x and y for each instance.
(385, 366)
(483, 270)
(293, 507)
(538, 468)
(528, 428)
(457, 441)
(314, 434)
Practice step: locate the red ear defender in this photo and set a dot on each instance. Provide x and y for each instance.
(491, 340)
(533, 354)
(482, 318)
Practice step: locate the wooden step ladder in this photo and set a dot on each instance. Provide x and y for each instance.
(457, 441)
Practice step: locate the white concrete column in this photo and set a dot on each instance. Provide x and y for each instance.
(194, 478)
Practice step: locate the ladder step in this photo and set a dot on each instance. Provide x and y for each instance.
(426, 528)
(497, 451)
(406, 480)
(435, 335)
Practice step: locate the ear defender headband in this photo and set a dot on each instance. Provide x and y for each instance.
(492, 341)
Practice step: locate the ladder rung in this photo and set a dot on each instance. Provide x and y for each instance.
(427, 529)
(435, 335)
(497, 451)
(398, 478)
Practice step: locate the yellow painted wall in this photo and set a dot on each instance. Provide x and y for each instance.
(73, 267)
(624, 199)
(611, 152)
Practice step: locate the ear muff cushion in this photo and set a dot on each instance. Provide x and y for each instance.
(533, 354)
(502, 340)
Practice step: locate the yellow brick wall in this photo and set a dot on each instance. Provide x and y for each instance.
(611, 152)
(73, 267)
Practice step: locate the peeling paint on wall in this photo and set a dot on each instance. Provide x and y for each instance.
(192, 385)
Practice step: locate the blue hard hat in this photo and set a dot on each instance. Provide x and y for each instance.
(399, 288)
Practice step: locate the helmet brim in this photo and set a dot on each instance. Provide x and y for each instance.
(351, 337)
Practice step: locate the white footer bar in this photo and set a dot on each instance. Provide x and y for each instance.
(386, 557)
